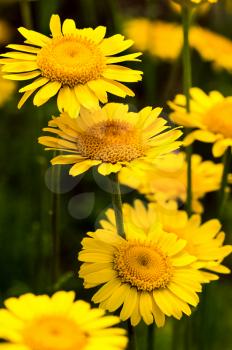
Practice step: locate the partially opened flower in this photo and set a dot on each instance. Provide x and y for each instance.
(210, 115)
(110, 138)
(167, 180)
(204, 241)
(78, 65)
(33, 322)
(148, 274)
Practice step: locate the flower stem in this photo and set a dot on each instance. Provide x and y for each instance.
(187, 83)
(222, 191)
(151, 337)
(117, 203)
(25, 8)
(131, 336)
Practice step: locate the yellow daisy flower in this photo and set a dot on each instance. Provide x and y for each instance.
(204, 241)
(210, 115)
(76, 64)
(57, 323)
(167, 180)
(7, 88)
(148, 274)
(111, 138)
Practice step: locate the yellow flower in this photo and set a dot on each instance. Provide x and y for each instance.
(204, 241)
(208, 44)
(148, 274)
(77, 64)
(41, 322)
(210, 115)
(154, 37)
(139, 30)
(7, 88)
(5, 32)
(167, 180)
(111, 138)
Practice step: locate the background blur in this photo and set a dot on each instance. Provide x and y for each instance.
(26, 185)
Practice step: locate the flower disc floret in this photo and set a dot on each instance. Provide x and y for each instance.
(142, 266)
(111, 141)
(71, 60)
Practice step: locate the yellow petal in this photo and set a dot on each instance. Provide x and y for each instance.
(86, 97)
(66, 159)
(37, 83)
(108, 168)
(98, 89)
(115, 44)
(55, 26)
(116, 88)
(67, 101)
(34, 37)
(25, 48)
(69, 27)
(18, 67)
(81, 167)
(22, 76)
(24, 98)
(20, 56)
(130, 57)
(46, 92)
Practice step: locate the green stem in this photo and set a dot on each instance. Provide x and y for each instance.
(151, 337)
(55, 213)
(187, 83)
(131, 336)
(25, 8)
(222, 191)
(117, 203)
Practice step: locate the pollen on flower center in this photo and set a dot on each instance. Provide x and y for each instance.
(111, 141)
(54, 333)
(144, 266)
(219, 117)
(71, 60)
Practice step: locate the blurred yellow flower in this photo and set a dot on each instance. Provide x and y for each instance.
(208, 44)
(5, 32)
(111, 138)
(154, 37)
(149, 273)
(204, 241)
(40, 322)
(7, 88)
(167, 180)
(77, 64)
(210, 115)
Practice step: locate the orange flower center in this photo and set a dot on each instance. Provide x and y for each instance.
(219, 118)
(111, 141)
(71, 60)
(144, 266)
(54, 333)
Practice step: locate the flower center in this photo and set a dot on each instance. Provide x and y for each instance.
(144, 266)
(111, 141)
(54, 333)
(219, 118)
(71, 60)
